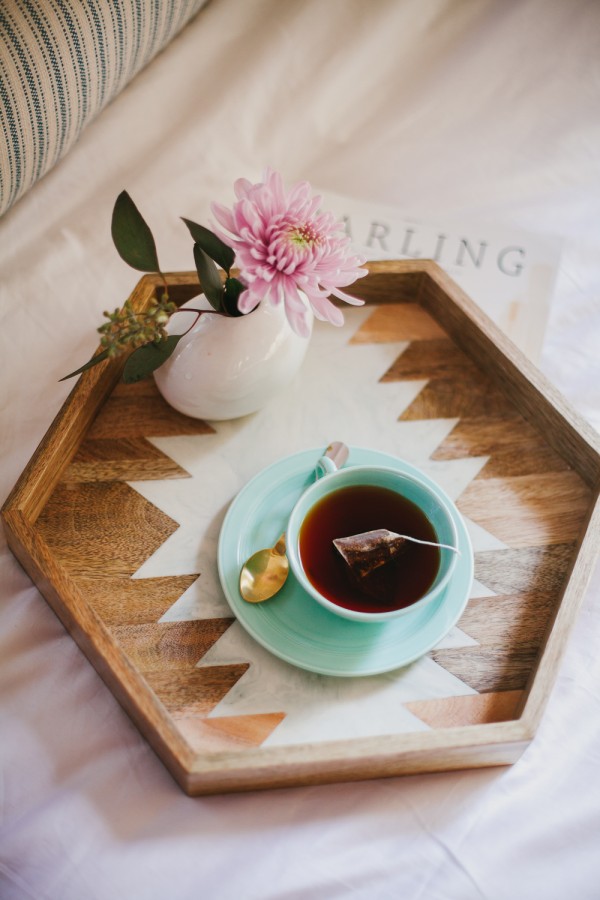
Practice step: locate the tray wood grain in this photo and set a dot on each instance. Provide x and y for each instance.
(81, 532)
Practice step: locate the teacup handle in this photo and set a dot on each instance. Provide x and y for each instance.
(333, 459)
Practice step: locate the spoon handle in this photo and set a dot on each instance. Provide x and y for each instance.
(279, 547)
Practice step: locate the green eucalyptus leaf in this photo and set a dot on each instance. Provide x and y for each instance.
(210, 280)
(132, 236)
(212, 245)
(146, 359)
(88, 365)
(233, 289)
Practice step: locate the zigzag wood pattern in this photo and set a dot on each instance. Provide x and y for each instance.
(472, 709)
(514, 447)
(77, 522)
(316, 709)
(527, 497)
(398, 322)
(547, 508)
(432, 357)
(456, 388)
(510, 626)
(121, 600)
(490, 426)
(116, 449)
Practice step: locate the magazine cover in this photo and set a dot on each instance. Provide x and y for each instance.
(509, 273)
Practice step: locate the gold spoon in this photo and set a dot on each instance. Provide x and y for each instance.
(266, 571)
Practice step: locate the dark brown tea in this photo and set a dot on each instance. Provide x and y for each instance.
(356, 509)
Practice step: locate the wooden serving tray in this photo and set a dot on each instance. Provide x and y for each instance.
(117, 515)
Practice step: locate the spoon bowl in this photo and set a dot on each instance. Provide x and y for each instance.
(265, 573)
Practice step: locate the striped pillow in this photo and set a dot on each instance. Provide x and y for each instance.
(61, 61)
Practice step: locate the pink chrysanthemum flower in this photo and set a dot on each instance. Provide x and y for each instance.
(283, 245)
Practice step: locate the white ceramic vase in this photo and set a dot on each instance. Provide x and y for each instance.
(228, 367)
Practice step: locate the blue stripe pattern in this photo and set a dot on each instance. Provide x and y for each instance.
(61, 62)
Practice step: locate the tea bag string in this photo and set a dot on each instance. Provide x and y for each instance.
(415, 540)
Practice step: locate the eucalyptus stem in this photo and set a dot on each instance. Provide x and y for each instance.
(199, 312)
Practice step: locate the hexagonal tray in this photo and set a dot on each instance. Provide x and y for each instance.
(117, 515)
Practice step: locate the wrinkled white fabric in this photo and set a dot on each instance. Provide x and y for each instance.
(444, 109)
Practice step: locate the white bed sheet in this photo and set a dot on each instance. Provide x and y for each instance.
(445, 109)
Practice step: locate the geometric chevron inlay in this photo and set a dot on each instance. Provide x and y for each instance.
(546, 508)
(223, 690)
(514, 447)
(116, 446)
(421, 383)
(474, 709)
(308, 707)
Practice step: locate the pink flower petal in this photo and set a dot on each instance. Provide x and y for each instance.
(326, 311)
(247, 302)
(353, 301)
(298, 319)
(283, 242)
(241, 187)
(222, 215)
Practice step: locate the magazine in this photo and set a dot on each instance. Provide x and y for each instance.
(509, 273)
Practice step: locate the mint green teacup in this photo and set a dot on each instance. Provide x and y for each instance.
(429, 500)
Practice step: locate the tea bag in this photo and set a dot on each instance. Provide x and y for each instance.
(365, 553)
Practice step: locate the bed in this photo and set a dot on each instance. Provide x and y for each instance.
(474, 111)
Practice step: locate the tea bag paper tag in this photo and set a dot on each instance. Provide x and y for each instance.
(366, 552)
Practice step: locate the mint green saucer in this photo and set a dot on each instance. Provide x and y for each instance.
(295, 627)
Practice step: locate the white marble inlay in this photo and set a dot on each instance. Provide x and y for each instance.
(455, 639)
(481, 539)
(319, 707)
(336, 396)
(481, 590)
